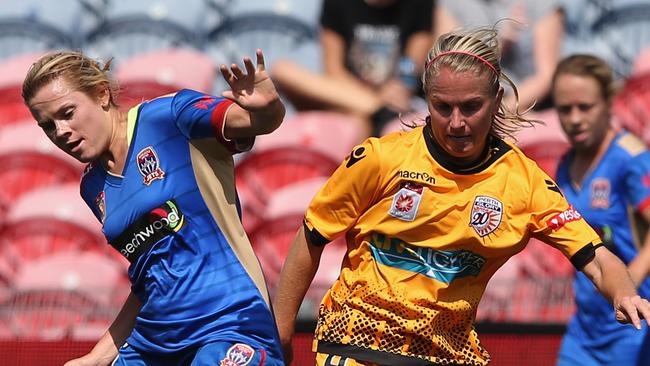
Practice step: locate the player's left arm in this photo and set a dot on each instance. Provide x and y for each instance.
(639, 267)
(258, 109)
(611, 278)
(637, 192)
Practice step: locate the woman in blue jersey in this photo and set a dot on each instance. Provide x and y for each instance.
(429, 215)
(606, 176)
(160, 179)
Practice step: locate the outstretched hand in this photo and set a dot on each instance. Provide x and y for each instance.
(632, 310)
(252, 90)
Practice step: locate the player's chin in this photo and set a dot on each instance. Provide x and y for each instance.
(84, 157)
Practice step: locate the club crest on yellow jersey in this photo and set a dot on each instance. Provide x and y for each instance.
(486, 215)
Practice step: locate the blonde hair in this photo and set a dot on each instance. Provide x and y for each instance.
(79, 71)
(477, 50)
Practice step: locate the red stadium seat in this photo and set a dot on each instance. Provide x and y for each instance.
(546, 154)
(159, 72)
(44, 315)
(307, 145)
(631, 106)
(261, 173)
(46, 221)
(98, 277)
(546, 143)
(12, 73)
(400, 123)
(549, 130)
(330, 133)
(544, 292)
(272, 238)
(535, 286)
(31, 161)
(56, 296)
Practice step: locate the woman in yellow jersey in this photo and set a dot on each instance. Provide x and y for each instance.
(429, 216)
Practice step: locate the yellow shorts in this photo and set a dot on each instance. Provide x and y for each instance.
(324, 359)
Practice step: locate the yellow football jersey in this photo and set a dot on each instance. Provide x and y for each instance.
(424, 236)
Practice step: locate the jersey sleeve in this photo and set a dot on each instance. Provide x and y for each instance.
(637, 181)
(199, 115)
(90, 189)
(346, 195)
(556, 222)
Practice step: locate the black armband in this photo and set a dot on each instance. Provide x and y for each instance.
(584, 255)
(314, 237)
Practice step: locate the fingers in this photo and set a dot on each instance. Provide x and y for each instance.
(248, 64)
(235, 73)
(227, 75)
(260, 60)
(644, 310)
(632, 310)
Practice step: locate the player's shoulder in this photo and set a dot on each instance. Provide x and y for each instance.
(517, 158)
(629, 144)
(381, 151)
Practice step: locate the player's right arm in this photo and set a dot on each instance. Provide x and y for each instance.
(106, 349)
(332, 212)
(297, 274)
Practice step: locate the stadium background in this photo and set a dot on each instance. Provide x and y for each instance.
(61, 285)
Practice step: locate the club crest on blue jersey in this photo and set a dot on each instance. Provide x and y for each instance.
(600, 190)
(100, 201)
(407, 201)
(238, 355)
(486, 215)
(149, 165)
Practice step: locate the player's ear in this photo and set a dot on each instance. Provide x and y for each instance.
(104, 96)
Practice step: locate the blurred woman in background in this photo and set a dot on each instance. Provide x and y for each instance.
(606, 177)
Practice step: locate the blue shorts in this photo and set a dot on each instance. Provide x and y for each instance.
(216, 353)
(624, 351)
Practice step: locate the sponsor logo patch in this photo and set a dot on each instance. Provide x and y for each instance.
(441, 265)
(238, 355)
(564, 217)
(149, 165)
(406, 201)
(486, 215)
(600, 190)
(149, 229)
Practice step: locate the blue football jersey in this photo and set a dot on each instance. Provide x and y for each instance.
(611, 196)
(173, 214)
